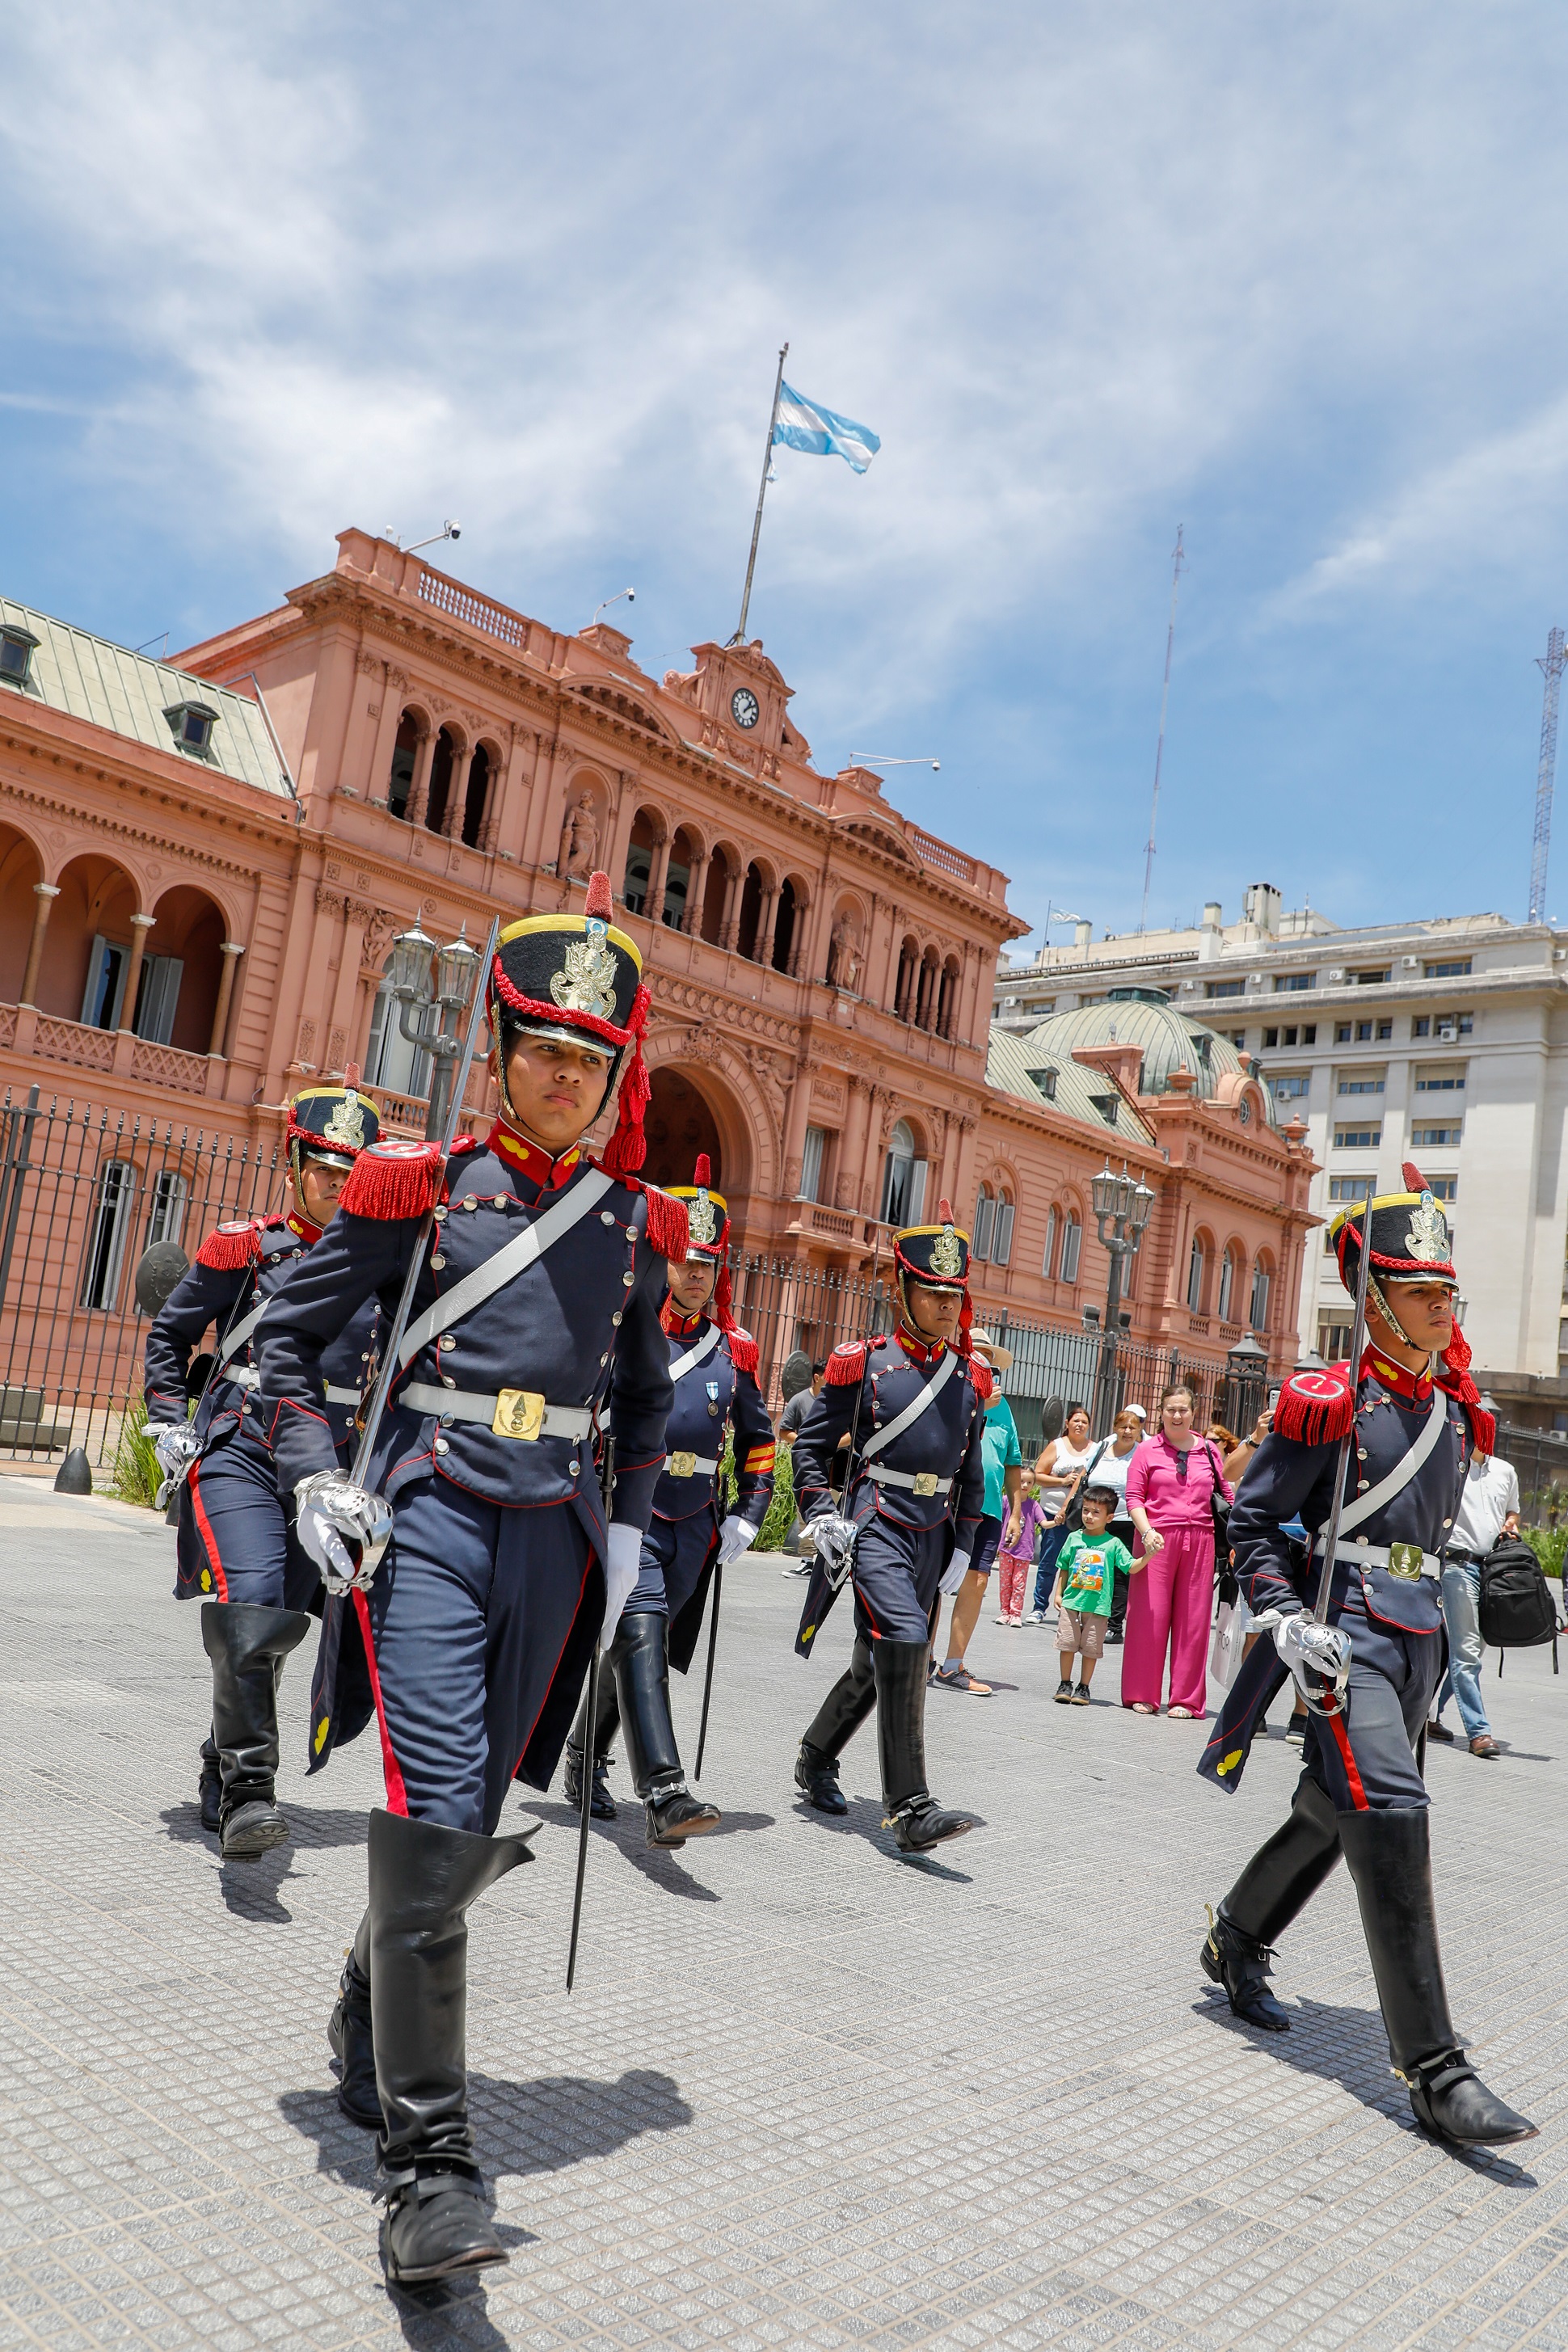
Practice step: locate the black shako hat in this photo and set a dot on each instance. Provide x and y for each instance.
(937, 1253)
(577, 978)
(1407, 1235)
(707, 1214)
(332, 1123)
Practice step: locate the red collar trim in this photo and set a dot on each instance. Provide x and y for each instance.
(919, 1351)
(532, 1159)
(678, 1326)
(301, 1226)
(1414, 1388)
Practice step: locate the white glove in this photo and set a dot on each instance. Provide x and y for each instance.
(176, 1445)
(833, 1539)
(623, 1566)
(737, 1535)
(956, 1570)
(1318, 1655)
(341, 1528)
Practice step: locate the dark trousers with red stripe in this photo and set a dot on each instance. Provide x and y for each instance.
(1365, 1758)
(235, 1539)
(673, 1554)
(469, 1622)
(896, 1574)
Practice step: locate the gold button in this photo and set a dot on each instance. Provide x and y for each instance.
(617, 1316)
(441, 1446)
(606, 1217)
(628, 1279)
(437, 1260)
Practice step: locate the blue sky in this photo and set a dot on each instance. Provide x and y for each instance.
(1288, 276)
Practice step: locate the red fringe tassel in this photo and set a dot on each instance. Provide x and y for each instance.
(393, 1180)
(228, 1246)
(846, 1365)
(1316, 1408)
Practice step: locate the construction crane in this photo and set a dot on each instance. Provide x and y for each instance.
(1551, 666)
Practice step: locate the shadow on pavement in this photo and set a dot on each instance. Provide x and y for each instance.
(250, 1889)
(661, 1866)
(864, 1820)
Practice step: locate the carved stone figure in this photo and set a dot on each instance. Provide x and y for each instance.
(579, 850)
(843, 952)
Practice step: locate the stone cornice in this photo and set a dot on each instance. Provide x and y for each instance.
(167, 840)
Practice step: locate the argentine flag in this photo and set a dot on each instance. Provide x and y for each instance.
(801, 424)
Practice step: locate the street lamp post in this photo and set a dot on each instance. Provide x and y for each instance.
(1246, 1365)
(1121, 1210)
(431, 985)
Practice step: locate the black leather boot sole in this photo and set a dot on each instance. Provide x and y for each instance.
(253, 1829)
(816, 1778)
(353, 2044)
(1390, 1858)
(924, 1824)
(209, 1788)
(435, 2225)
(672, 1819)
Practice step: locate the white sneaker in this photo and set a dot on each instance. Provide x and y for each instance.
(1035, 1617)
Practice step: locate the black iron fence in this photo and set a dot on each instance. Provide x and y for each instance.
(83, 1191)
(1540, 1458)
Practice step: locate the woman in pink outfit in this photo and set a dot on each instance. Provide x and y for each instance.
(1171, 1482)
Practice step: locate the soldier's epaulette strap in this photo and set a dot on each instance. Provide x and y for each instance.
(1316, 1408)
(391, 1180)
(981, 1375)
(668, 1229)
(228, 1246)
(744, 1352)
(846, 1365)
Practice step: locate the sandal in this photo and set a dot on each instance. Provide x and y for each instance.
(1140, 1706)
(1181, 1714)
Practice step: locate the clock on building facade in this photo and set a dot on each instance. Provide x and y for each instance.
(744, 707)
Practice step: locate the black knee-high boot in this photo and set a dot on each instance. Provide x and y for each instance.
(917, 1819)
(1390, 1858)
(639, 1660)
(348, 2032)
(209, 1785)
(600, 1804)
(423, 1878)
(1282, 1876)
(248, 1644)
(837, 1721)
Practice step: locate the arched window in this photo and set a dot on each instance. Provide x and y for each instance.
(1227, 1284)
(1262, 1282)
(1002, 1230)
(677, 881)
(784, 925)
(475, 797)
(903, 1179)
(1052, 1225)
(1072, 1246)
(751, 912)
(716, 890)
(947, 1000)
(441, 764)
(166, 1216)
(908, 966)
(110, 1231)
(925, 1003)
(404, 752)
(1196, 1275)
(984, 1211)
(639, 863)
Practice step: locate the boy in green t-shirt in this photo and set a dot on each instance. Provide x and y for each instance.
(1084, 1586)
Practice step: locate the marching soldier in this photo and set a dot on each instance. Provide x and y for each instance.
(713, 1366)
(1402, 1428)
(536, 1307)
(911, 1408)
(236, 1542)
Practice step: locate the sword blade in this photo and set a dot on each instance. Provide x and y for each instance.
(583, 1817)
(1358, 1341)
(708, 1685)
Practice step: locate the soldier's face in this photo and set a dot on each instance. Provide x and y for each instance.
(933, 1313)
(691, 1285)
(1426, 1311)
(319, 1188)
(557, 1090)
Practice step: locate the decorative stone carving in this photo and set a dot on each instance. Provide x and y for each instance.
(328, 902)
(579, 849)
(843, 953)
(337, 1049)
(368, 666)
(305, 1050)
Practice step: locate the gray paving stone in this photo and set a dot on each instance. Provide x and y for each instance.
(806, 2094)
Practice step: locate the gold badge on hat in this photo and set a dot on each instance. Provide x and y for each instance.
(346, 1125)
(946, 1257)
(1427, 1238)
(702, 1218)
(588, 983)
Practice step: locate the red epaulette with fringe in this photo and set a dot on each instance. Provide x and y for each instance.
(1316, 1408)
(981, 1375)
(393, 1180)
(744, 1352)
(227, 1247)
(846, 1365)
(668, 1231)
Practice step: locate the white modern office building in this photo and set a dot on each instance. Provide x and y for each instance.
(1443, 1041)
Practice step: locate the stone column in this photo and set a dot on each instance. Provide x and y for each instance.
(342, 1036)
(852, 1148)
(231, 952)
(796, 1121)
(798, 945)
(658, 866)
(419, 790)
(378, 775)
(730, 930)
(696, 888)
(46, 893)
(140, 927)
(767, 915)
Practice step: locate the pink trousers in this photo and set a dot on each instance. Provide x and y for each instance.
(1014, 1567)
(1169, 1603)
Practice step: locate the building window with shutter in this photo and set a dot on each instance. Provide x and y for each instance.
(1072, 1244)
(1196, 1276)
(811, 1164)
(985, 1211)
(1002, 1232)
(1053, 1223)
(109, 1233)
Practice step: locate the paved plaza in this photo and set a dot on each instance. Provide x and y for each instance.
(806, 2094)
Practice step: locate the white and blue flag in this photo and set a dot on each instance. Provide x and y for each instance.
(803, 424)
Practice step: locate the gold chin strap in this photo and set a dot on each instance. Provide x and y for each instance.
(1379, 1298)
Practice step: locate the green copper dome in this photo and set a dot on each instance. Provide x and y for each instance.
(1169, 1040)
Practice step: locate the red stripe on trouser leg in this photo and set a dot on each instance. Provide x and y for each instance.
(396, 1795)
(1343, 1741)
(204, 1529)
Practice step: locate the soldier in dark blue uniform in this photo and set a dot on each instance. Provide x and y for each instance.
(913, 1494)
(713, 1365)
(535, 1315)
(1400, 1434)
(236, 1540)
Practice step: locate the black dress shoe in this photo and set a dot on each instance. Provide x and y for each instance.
(920, 1823)
(675, 1814)
(1240, 1964)
(436, 2225)
(252, 1829)
(349, 2033)
(600, 1804)
(816, 1778)
(1454, 2104)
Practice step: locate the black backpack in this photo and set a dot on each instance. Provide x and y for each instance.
(1517, 1611)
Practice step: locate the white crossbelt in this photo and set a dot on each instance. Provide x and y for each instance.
(912, 1412)
(913, 1479)
(681, 1365)
(517, 1256)
(235, 1339)
(1397, 1479)
(573, 1421)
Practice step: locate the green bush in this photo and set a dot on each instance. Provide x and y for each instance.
(781, 1510)
(137, 1476)
(1549, 1545)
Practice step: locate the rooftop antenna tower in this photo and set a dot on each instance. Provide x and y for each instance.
(1552, 664)
(1160, 746)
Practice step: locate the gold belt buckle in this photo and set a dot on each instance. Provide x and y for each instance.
(1405, 1560)
(682, 1465)
(519, 1412)
(925, 1482)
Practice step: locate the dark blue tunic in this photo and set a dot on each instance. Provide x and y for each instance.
(713, 1395)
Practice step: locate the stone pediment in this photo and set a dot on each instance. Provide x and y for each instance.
(879, 836)
(615, 700)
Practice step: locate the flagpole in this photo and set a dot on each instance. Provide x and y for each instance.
(761, 494)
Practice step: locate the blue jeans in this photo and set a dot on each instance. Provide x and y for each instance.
(1461, 1607)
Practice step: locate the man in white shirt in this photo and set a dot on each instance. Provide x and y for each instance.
(1488, 1507)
